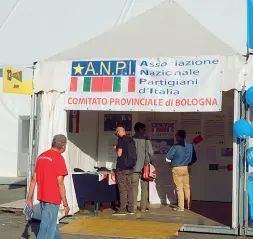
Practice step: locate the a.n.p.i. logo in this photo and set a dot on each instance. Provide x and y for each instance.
(103, 76)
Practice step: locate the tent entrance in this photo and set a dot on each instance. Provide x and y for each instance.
(91, 136)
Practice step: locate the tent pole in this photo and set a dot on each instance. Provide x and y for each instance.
(97, 148)
(242, 172)
(246, 168)
(236, 148)
(241, 178)
(31, 137)
(31, 142)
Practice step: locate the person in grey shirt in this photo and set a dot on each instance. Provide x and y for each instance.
(144, 153)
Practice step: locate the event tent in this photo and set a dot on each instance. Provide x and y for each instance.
(147, 35)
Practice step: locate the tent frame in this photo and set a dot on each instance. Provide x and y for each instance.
(34, 134)
(248, 231)
(239, 223)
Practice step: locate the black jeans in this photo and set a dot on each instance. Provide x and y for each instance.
(124, 179)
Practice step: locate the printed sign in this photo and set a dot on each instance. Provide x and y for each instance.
(152, 84)
(74, 121)
(162, 130)
(112, 179)
(162, 136)
(13, 82)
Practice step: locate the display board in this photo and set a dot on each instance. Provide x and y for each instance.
(161, 134)
(212, 174)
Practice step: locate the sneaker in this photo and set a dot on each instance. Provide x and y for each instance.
(119, 213)
(178, 209)
(145, 210)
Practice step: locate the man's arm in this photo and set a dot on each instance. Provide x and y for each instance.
(61, 186)
(171, 153)
(119, 147)
(119, 152)
(30, 192)
(62, 190)
(150, 149)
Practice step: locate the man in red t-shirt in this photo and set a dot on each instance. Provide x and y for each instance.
(49, 175)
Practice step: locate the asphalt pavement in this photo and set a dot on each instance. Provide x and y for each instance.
(15, 226)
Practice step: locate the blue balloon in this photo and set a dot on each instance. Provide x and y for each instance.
(249, 96)
(249, 156)
(242, 129)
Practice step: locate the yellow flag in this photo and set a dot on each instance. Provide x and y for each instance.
(13, 82)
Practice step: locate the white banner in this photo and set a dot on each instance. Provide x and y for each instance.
(180, 84)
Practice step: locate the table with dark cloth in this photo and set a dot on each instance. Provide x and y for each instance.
(89, 189)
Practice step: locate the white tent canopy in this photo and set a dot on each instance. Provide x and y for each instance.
(166, 30)
(225, 19)
(34, 30)
(28, 35)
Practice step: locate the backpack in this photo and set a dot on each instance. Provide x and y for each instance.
(131, 154)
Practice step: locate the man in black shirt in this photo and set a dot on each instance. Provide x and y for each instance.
(123, 174)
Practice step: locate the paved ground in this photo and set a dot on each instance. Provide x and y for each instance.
(9, 193)
(13, 227)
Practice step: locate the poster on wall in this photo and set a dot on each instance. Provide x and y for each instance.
(191, 122)
(162, 136)
(74, 121)
(214, 128)
(161, 146)
(227, 152)
(182, 84)
(112, 121)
